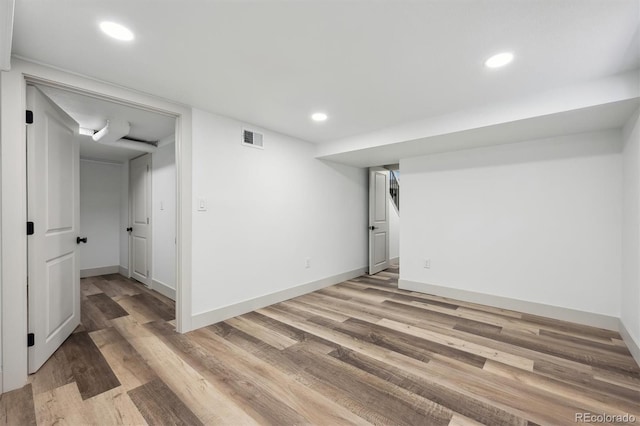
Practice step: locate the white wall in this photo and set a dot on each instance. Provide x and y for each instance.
(538, 221)
(100, 185)
(124, 216)
(163, 212)
(630, 309)
(394, 231)
(269, 210)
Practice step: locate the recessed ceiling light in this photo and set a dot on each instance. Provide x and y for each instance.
(499, 60)
(117, 31)
(319, 116)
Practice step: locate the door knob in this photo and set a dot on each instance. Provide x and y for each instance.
(129, 229)
(81, 240)
(372, 227)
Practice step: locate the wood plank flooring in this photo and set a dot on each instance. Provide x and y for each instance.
(360, 352)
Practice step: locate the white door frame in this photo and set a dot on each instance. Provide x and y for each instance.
(13, 208)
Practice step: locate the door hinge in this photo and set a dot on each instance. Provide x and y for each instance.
(29, 117)
(30, 228)
(31, 339)
(147, 221)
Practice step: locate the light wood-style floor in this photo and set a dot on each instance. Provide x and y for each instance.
(355, 353)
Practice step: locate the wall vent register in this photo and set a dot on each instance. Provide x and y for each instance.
(253, 139)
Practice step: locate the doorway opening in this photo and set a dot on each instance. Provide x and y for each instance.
(384, 218)
(14, 199)
(84, 178)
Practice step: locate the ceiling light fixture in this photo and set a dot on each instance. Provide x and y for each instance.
(117, 31)
(319, 116)
(499, 60)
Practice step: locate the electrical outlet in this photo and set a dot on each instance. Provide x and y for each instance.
(427, 263)
(307, 263)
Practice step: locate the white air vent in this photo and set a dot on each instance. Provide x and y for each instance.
(250, 138)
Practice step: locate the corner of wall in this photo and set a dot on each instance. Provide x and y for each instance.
(630, 294)
(630, 341)
(124, 271)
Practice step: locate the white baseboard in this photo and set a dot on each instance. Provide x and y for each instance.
(394, 261)
(549, 311)
(632, 344)
(94, 272)
(163, 289)
(211, 317)
(123, 271)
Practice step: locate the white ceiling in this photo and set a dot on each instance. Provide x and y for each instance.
(94, 151)
(93, 113)
(367, 64)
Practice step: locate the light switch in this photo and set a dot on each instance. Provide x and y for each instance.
(161, 205)
(202, 204)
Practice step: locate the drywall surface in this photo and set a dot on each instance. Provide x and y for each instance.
(549, 111)
(163, 210)
(630, 303)
(538, 221)
(100, 186)
(267, 212)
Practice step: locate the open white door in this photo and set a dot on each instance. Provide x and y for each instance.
(140, 201)
(378, 219)
(53, 186)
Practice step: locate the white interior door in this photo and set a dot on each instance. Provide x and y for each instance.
(140, 240)
(378, 219)
(53, 186)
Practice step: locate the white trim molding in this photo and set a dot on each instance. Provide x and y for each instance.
(211, 317)
(123, 271)
(104, 270)
(534, 308)
(14, 239)
(634, 347)
(164, 289)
